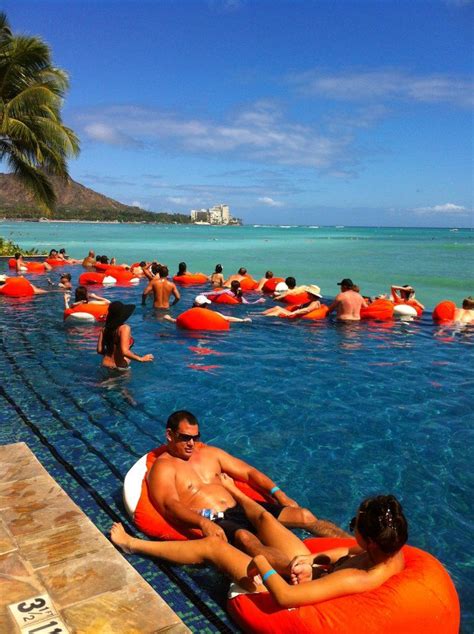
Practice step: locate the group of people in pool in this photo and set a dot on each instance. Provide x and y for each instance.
(191, 484)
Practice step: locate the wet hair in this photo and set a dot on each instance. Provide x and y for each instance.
(175, 418)
(407, 291)
(81, 294)
(468, 303)
(66, 276)
(182, 268)
(143, 263)
(290, 282)
(97, 258)
(218, 268)
(62, 251)
(235, 288)
(381, 520)
(17, 256)
(155, 268)
(269, 275)
(52, 252)
(242, 271)
(163, 270)
(356, 288)
(104, 259)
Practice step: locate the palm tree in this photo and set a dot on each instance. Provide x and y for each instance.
(33, 140)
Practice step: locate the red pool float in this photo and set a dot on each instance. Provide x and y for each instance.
(88, 312)
(201, 319)
(248, 283)
(223, 298)
(380, 309)
(421, 599)
(86, 279)
(17, 287)
(269, 286)
(296, 299)
(444, 311)
(56, 262)
(191, 280)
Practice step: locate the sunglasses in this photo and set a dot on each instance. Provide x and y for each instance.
(187, 437)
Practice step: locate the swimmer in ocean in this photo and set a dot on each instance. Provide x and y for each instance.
(465, 315)
(217, 278)
(313, 292)
(239, 276)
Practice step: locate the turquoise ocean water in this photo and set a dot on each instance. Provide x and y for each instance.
(333, 413)
(439, 263)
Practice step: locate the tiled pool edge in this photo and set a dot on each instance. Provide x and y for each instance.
(48, 545)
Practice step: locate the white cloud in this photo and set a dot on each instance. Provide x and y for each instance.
(98, 131)
(137, 203)
(266, 200)
(447, 208)
(181, 200)
(379, 85)
(257, 133)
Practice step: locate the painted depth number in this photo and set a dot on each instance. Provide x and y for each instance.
(37, 615)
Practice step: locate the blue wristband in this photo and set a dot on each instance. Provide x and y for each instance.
(269, 573)
(274, 490)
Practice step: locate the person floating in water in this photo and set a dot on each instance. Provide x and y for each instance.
(313, 303)
(405, 295)
(217, 278)
(298, 577)
(465, 315)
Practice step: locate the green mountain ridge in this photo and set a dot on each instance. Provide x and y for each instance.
(74, 202)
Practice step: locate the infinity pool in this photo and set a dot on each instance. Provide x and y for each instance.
(333, 413)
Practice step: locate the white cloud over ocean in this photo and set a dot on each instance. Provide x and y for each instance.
(257, 133)
(270, 202)
(446, 208)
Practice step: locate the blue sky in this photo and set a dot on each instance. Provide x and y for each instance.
(322, 112)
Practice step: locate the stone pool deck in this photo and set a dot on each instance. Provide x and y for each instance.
(58, 569)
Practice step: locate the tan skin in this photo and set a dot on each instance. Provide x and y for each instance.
(122, 354)
(217, 280)
(366, 568)
(278, 311)
(464, 315)
(347, 305)
(162, 289)
(186, 479)
(401, 294)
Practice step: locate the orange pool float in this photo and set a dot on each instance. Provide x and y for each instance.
(17, 287)
(318, 313)
(296, 299)
(223, 298)
(150, 521)
(191, 280)
(444, 311)
(32, 267)
(201, 319)
(91, 278)
(269, 286)
(89, 311)
(56, 262)
(380, 309)
(123, 276)
(421, 599)
(248, 283)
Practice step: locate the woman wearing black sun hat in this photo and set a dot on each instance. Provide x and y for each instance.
(115, 340)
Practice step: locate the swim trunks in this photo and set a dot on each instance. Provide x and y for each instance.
(235, 519)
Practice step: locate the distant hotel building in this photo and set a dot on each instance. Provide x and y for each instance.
(217, 215)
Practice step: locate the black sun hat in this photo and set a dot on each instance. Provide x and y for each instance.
(118, 314)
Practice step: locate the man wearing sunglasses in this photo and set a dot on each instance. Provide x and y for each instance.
(185, 485)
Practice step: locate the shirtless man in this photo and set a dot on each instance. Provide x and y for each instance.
(89, 260)
(185, 480)
(162, 290)
(465, 315)
(239, 276)
(347, 303)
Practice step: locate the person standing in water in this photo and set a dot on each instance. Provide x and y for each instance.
(115, 340)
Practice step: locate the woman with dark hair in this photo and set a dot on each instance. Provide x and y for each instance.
(82, 296)
(217, 278)
(405, 295)
(115, 340)
(380, 531)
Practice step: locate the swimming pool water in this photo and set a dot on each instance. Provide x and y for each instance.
(333, 413)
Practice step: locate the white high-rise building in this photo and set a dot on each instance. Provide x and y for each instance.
(217, 215)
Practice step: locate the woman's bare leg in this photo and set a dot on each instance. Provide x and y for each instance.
(269, 530)
(229, 560)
